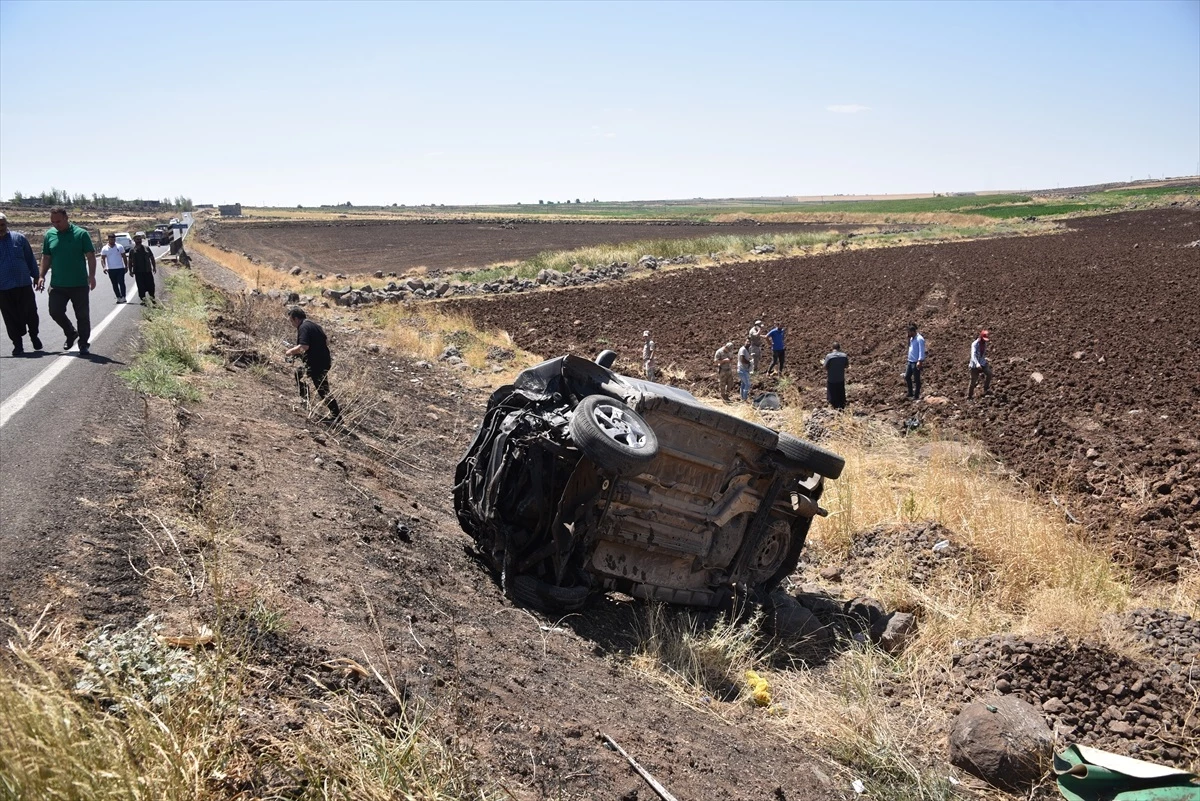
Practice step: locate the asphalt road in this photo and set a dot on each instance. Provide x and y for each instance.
(45, 399)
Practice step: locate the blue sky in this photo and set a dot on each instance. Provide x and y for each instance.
(284, 103)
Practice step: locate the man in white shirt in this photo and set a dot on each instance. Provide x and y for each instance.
(916, 360)
(115, 262)
(980, 366)
(648, 365)
(754, 337)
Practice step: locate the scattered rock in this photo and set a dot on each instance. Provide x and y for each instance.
(1003, 741)
(450, 352)
(1037, 378)
(831, 573)
(899, 629)
(378, 273)
(295, 270)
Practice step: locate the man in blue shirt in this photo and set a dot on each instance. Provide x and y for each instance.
(18, 272)
(776, 335)
(916, 360)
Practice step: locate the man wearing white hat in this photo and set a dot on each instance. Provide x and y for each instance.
(757, 331)
(142, 266)
(648, 366)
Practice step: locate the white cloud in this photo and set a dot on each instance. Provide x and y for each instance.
(848, 108)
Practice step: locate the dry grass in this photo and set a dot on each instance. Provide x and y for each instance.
(256, 276)
(874, 714)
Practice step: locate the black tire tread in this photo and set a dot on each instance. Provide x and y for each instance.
(604, 452)
(810, 456)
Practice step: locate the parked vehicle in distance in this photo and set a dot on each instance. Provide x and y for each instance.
(125, 241)
(582, 480)
(161, 235)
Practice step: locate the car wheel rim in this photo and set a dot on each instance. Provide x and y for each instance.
(619, 427)
(771, 548)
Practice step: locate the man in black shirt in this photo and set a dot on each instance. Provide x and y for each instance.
(312, 346)
(835, 377)
(142, 267)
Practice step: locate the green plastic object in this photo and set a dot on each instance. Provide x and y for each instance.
(1089, 774)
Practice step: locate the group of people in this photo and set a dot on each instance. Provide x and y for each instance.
(69, 259)
(744, 361)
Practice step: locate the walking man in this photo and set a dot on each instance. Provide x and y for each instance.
(70, 258)
(776, 335)
(723, 358)
(648, 365)
(313, 347)
(745, 367)
(18, 274)
(835, 363)
(754, 338)
(142, 266)
(916, 360)
(115, 264)
(980, 366)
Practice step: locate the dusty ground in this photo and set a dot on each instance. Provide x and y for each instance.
(352, 539)
(446, 245)
(1105, 313)
(351, 536)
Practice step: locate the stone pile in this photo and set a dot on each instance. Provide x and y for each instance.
(929, 549)
(1143, 708)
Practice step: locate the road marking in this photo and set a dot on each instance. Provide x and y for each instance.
(16, 402)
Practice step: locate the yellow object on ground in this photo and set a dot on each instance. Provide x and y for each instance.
(760, 691)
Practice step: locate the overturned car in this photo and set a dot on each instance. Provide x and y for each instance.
(582, 480)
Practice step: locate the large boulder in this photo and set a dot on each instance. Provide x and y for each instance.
(1002, 740)
(791, 621)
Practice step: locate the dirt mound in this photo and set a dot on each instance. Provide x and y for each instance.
(1144, 707)
(1103, 313)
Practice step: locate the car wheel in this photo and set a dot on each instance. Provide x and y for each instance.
(776, 556)
(809, 456)
(612, 435)
(529, 591)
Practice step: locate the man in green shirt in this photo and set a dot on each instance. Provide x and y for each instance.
(70, 257)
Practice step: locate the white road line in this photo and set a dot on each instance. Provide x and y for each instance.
(16, 402)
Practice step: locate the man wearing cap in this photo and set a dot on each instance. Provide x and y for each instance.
(141, 265)
(754, 340)
(70, 258)
(723, 358)
(115, 264)
(776, 335)
(980, 366)
(648, 365)
(835, 363)
(916, 360)
(18, 273)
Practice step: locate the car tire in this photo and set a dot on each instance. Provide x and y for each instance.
(779, 552)
(612, 435)
(532, 592)
(809, 456)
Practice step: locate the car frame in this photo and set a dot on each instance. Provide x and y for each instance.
(582, 480)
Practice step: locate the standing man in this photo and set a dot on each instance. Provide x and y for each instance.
(980, 366)
(648, 365)
(916, 360)
(723, 358)
(776, 335)
(18, 274)
(67, 250)
(745, 367)
(141, 265)
(115, 264)
(754, 338)
(836, 363)
(313, 347)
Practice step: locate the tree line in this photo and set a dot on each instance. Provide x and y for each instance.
(61, 197)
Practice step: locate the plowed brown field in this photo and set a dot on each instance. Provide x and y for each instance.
(1107, 313)
(364, 247)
